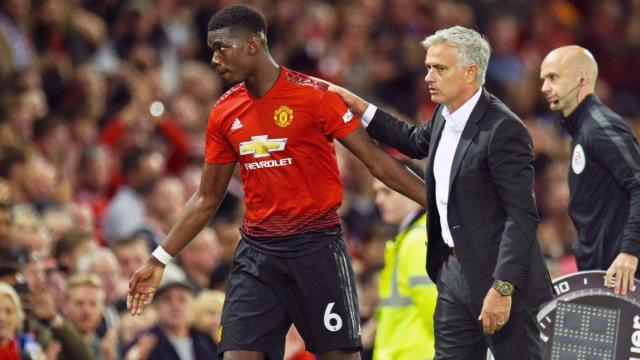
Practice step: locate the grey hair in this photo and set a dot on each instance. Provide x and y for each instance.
(85, 261)
(472, 47)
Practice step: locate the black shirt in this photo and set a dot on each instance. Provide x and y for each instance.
(604, 185)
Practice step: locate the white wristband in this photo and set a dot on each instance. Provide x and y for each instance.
(162, 255)
(368, 114)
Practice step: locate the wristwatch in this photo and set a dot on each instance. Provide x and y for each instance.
(505, 288)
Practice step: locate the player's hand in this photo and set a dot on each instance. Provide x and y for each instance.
(495, 311)
(621, 274)
(353, 101)
(143, 285)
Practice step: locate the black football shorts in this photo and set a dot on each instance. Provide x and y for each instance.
(266, 293)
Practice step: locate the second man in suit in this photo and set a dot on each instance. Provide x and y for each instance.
(482, 249)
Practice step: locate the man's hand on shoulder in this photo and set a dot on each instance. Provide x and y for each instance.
(353, 101)
(621, 273)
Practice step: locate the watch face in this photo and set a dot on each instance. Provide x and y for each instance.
(586, 320)
(505, 288)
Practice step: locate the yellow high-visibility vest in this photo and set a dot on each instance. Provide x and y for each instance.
(407, 298)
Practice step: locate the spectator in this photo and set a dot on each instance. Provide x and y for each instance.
(15, 42)
(130, 328)
(176, 338)
(125, 213)
(200, 257)
(131, 253)
(14, 171)
(103, 263)
(43, 319)
(6, 221)
(29, 232)
(57, 221)
(11, 318)
(163, 197)
(52, 140)
(93, 180)
(70, 247)
(407, 296)
(191, 117)
(207, 309)
(83, 307)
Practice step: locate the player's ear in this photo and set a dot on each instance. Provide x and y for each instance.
(254, 42)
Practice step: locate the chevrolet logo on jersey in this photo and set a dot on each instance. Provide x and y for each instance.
(261, 146)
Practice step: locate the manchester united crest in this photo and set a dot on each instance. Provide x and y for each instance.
(283, 117)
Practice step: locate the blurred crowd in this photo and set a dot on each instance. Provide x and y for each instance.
(103, 108)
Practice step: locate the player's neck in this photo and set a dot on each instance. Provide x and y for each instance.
(264, 77)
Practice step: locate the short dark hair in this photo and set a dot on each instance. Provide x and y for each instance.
(130, 240)
(130, 162)
(239, 16)
(88, 154)
(147, 187)
(10, 156)
(70, 240)
(45, 126)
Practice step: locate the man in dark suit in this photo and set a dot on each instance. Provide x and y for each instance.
(482, 249)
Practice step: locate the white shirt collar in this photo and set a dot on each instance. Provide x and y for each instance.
(459, 117)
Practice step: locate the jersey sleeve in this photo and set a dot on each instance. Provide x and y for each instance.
(335, 117)
(217, 149)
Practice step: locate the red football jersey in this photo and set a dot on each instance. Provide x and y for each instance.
(284, 144)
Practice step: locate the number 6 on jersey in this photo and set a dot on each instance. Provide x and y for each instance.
(329, 316)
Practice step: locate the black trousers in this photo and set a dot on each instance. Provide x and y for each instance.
(459, 333)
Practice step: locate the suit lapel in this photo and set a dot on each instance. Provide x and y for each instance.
(436, 247)
(469, 132)
(438, 125)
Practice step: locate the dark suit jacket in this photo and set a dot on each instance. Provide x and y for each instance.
(491, 212)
